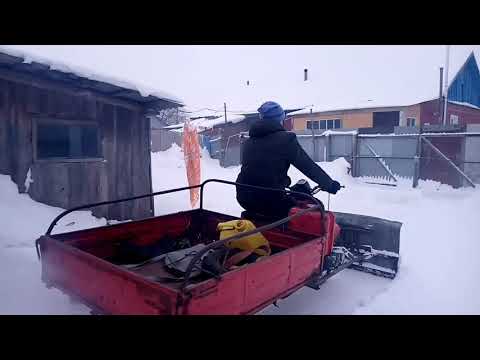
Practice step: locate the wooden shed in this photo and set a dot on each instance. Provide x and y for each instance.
(69, 140)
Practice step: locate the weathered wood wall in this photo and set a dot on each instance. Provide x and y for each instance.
(123, 172)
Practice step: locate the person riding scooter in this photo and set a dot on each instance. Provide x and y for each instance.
(266, 157)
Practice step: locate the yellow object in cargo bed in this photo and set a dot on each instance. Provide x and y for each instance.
(255, 242)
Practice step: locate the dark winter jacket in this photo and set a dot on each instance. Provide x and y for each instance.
(266, 157)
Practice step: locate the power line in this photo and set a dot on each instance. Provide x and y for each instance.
(215, 110)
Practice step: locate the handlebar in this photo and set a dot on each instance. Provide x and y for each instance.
(317, 188)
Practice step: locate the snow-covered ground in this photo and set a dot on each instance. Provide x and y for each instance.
(439, 266)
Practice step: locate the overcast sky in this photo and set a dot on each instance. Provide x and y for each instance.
(208, 76)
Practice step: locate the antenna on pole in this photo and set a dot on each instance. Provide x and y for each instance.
(440, 97)
(225, 109)
(445, 94)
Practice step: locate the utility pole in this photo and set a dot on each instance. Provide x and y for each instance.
(225, 108)
(313, 135)
(445, 93)
(440, 97)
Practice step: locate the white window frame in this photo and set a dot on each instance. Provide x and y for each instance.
(454, 119)
(312, 122)
(327, 121)
(331, 122)
(414, 121)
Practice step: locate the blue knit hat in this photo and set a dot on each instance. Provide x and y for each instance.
(271, 110)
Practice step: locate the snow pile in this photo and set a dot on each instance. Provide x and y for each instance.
(439, 267)
(336, 132)
(89, 74)
(22, 221)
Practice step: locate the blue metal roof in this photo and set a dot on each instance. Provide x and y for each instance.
(465, 86)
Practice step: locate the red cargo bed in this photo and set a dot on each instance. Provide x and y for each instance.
(82, 265)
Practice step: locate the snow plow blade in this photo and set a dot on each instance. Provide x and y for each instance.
(374, 241)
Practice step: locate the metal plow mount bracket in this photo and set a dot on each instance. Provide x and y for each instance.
(374, 242)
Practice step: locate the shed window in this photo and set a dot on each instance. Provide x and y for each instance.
(67, 140)
(411, 121)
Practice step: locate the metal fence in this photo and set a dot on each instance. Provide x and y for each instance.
(163, 139)
(451, 158)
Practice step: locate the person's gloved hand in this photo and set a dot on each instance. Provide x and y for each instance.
(334, 187)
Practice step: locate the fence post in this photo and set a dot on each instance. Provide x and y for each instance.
(416, 161)
(354, 155)
(314, 148)
(327, 147)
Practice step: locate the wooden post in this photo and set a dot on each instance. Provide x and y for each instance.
(150, 176)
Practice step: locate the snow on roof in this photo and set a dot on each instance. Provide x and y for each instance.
(199, 113)
(204, 124)
(464, 104)
(327, 93)
(90, 75)
(210, 123)
(354, 106)
(370, 105)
